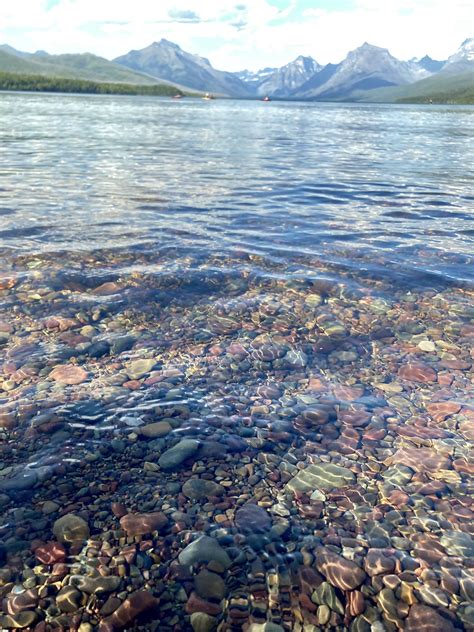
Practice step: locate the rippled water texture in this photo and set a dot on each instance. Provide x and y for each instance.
(236, 350)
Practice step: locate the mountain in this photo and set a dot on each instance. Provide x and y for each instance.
(431, 65)
(463, 58)
(281, 82)
(365, 68)
(254, 76)
(443, 87)
(165, 60)
(6, 48)
(368, 73)
(79, 66)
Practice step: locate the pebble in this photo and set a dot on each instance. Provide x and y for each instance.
(133, 606)
(50, 507)
(340, 572)
(376, 563)
(325, 476)
(138, 368)
(204, 549)
(71, 528)
(137, 524)
(210, 585)
(426, 619)
(252, 518)
(69, 374)
(68, 599)
(175, 456)
(200, 488)
(19, 621)
(202, 622)
(154, 430)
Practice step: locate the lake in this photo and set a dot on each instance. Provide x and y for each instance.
(236, 350)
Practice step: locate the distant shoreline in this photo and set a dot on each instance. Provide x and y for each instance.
(14, 82)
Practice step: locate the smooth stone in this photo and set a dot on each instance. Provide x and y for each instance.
(325, 595)
(427, 345)
(202, 622)
(49, 507)
(135, 524)
(154, 430)
(433, 596)
(340, 572)
(323, 614)
(196, 604)
(200, 488)
(69, 374)
(68, 599)
(204, 549)
(27, 600)
(138, 368)
(19, 621)
(325, 476)
(123, 343)
(210, 585)
(25, 480)
(50, 553)
(135, 605)
(398, 475)
(376, 563)
(425, 619)
(71, 528)
(95, 585)
(253, 518)
(296, 359)
(458, 543)
(179, 453)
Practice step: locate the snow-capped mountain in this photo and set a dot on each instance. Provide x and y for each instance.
(287, 79)
(463, 58)
(255, 75)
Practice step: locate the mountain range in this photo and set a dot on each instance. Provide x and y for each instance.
(367, 73)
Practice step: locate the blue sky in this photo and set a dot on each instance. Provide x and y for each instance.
(237, 34)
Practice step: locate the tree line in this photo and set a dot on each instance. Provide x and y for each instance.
(38, 83)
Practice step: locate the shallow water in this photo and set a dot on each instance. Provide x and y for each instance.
(298, 282)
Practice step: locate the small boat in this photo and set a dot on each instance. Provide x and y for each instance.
(177, 96)
(266, 99)
(208, 97)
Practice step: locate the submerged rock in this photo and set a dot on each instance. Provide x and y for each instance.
(325, 476)
(340, 572)
(71, 528)
(204, 549)
(200, 488)
(172, 458)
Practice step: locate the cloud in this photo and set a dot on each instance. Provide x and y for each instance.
(234, 34)
(184, 15)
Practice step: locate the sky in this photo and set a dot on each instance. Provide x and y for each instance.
(238, 34)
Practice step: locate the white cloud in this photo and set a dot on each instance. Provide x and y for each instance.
(233, 34)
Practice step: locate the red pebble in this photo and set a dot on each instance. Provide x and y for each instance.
(50, 553)
(417, 372)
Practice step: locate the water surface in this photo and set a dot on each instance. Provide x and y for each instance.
(280, 294)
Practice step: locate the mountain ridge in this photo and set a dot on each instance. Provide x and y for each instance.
(367, 70)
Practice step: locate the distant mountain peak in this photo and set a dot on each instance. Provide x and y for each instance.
(464, 54)
(366, 46)
(167, 43)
